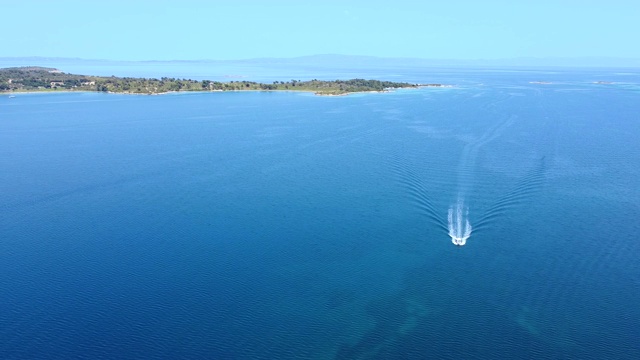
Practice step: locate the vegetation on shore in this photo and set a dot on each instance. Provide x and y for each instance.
(19, 79)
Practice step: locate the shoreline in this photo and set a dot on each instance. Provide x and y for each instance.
(13, 93)
(47, 91)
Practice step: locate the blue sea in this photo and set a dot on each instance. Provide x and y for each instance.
(263, 225)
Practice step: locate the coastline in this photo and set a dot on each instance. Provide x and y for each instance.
(30, 92)
(328, 94)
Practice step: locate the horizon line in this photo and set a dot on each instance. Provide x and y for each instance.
(591, 57)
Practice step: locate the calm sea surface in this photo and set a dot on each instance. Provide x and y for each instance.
(286, 225)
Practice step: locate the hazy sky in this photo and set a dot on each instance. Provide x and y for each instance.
(191, 29)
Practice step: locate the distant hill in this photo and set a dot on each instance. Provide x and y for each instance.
(342, 61)
(36, 68)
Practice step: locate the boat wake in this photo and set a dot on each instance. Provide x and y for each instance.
(528, 186)
(459, 225)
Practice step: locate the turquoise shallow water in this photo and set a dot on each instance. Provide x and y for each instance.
(287, 225)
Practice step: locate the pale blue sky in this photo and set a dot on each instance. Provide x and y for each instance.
(192, 29)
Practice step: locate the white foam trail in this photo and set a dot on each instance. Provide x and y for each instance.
(459, 226)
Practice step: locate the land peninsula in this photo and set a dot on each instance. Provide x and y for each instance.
(41, 79)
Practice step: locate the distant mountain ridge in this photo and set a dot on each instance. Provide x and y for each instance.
(336, 60)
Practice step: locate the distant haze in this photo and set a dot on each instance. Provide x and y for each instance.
(340, 61)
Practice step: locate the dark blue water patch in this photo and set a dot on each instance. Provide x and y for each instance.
(528, 297)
